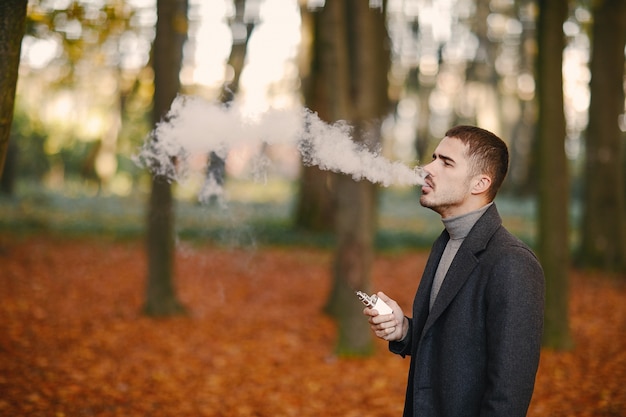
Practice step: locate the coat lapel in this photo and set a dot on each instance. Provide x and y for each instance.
(422, 296)
(462, 266)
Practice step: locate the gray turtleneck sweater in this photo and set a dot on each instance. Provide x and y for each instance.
(458, 228)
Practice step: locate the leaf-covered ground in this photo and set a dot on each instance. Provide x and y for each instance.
(255, 343)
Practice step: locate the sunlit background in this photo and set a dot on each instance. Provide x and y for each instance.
(88, 91)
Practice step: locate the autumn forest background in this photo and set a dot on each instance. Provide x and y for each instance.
(229, 290)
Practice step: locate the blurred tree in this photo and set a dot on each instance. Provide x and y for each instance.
(604, 213)
(552, 175)
(171, 34)
(481, 72)
(12, 26)
(421, 81)
(31, 160)
(523, 132)
(90, 57)
(497, 87)
(314, 205)
(424, 84)
(8, 173)
(351, 62)
(241, 27)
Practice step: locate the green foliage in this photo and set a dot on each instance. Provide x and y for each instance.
(93, 73)
(404, 225)
(29, 139)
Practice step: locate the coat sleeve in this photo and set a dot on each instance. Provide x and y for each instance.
(403, 347)
(515, 307)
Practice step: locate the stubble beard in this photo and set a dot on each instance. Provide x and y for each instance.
(424, 202)
(440, 204)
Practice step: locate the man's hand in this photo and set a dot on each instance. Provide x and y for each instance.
(389, 327)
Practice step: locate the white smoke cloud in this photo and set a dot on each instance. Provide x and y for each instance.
(194, 125)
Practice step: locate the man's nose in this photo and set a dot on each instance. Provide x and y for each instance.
(428, 168)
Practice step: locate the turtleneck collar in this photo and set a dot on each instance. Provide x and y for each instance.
(458, 227)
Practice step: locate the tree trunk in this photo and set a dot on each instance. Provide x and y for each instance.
(355, 221)
(315, 206)
(12, 26)
(216, 166)
(522, 161)
(314, 209)
(9, 174)
(354, 61)
(171, 33)
(604, 216)
(552, 175)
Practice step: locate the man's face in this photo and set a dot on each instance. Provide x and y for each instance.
(448, 181)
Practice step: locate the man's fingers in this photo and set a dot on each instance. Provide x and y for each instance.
(387, 319)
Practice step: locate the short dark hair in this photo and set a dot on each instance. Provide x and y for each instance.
(488, 154)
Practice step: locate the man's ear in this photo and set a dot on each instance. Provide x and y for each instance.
(481, 184)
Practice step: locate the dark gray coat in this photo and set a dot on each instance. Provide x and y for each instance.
(477, 352)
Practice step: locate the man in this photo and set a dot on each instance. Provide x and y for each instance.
(475, 335)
